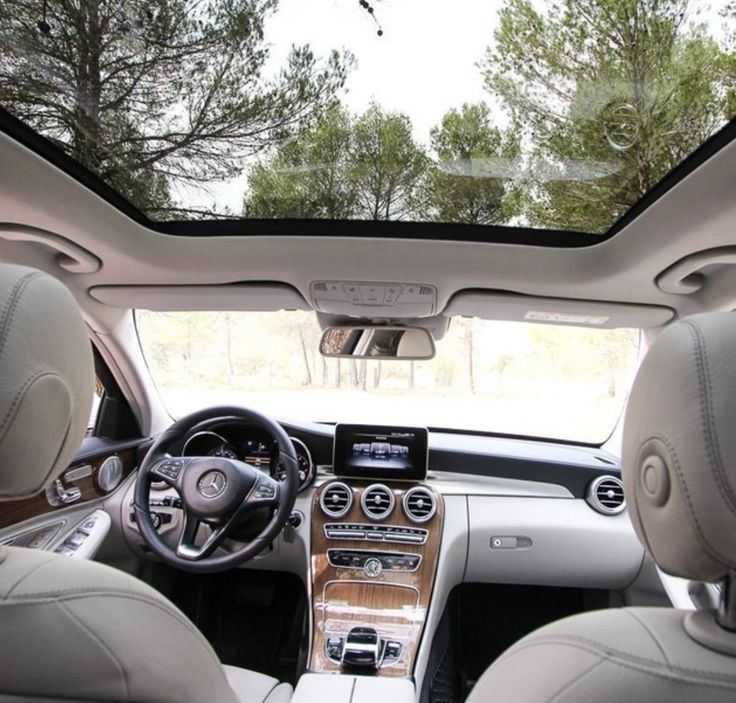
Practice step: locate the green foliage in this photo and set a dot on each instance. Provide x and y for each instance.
(306, 177)
(370, 166)
(611, 95)
(461, 187)
(386, 164)
(342, 167)
(149, 92)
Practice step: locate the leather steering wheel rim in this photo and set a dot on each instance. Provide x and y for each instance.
(283, 502)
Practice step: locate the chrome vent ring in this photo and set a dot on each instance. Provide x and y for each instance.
(605, 495)
(377, 501)
(336, 500)
(420, 504)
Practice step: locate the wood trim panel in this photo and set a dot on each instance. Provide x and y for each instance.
(15, 511)
(395, 603)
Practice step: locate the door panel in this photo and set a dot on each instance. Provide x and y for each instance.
(82, 482)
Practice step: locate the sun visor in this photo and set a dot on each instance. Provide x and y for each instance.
(259, 297)
(491, 305)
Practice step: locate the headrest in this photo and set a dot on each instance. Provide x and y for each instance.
(679, 448)
(46, 380)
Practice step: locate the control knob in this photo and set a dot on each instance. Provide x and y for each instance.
(373, 567)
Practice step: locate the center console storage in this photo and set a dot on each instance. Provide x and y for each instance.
(375, 548)
(318, 688)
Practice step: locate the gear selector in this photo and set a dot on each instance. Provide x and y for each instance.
(363, 648)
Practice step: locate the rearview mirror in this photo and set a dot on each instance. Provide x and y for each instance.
(411, 343)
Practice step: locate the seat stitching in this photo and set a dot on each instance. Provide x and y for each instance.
(101, 643)
(50, 558)
(642, 663)
(576, 680)
(634, 666)
(8, 314)
(271, 690)
(651, 634)
(705, 389)
(83, 593)
(712, 551)
(28, 381)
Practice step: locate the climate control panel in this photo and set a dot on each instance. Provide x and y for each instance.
(373, 563)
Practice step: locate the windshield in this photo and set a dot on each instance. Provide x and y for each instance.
(556, 114)
(515, 378)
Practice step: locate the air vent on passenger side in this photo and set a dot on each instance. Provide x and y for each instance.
(420, 504)
(606, 495)
(377, 501)
(336, 499)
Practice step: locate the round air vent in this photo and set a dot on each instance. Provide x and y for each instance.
(377, 501)
(420, 504)
(606, 495)
(336, 499)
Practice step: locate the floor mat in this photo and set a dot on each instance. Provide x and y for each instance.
(252, 619)
(482, 621)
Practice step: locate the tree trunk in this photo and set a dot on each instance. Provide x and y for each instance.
(469, 355)
(89, 87)
(411, 374)
(305, 356)
(353, 373)
(229, 331)
(189, 344)
(377, 375)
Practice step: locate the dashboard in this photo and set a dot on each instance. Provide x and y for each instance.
(388, 521)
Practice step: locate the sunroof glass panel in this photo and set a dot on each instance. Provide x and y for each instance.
(552, 115)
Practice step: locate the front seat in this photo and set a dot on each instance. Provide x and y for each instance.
(679, 467)
(72, 630)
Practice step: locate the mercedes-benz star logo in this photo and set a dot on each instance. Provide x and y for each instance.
(212, 484)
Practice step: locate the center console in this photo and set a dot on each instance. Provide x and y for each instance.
(376, 533)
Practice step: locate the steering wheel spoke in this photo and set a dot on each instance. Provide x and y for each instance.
(169, 470)
(266, 493)
(187, 547)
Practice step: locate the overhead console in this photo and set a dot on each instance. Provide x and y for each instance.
(374, 298)
(375, 542)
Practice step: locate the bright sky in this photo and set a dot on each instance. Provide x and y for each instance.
(423, 65)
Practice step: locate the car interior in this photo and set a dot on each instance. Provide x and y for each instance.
(358, 349)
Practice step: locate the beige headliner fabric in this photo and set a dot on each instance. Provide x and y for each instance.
(679, 448)
(46, 380)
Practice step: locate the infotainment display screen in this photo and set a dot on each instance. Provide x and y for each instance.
(378, 452)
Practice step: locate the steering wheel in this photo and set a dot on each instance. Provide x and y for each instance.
(215, 491)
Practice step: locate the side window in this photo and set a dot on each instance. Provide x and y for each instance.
(99, 392)
(111, 416)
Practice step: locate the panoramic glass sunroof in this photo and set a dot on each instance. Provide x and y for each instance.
(547, 115)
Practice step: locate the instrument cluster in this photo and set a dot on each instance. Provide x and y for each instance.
(243, 443)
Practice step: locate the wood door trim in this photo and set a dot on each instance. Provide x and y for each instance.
(15, 511)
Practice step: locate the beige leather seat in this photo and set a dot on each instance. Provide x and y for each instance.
(72, 630)
(679, 466)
